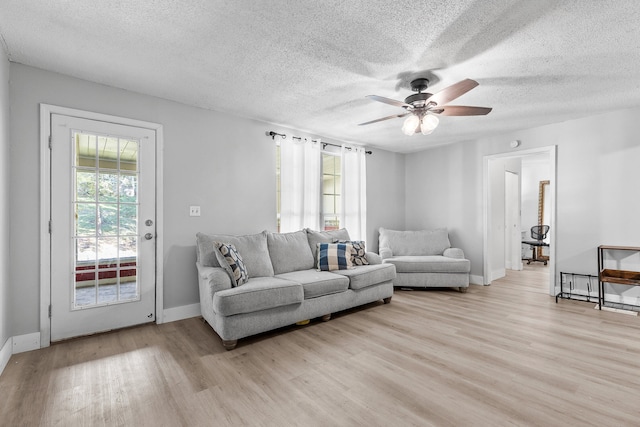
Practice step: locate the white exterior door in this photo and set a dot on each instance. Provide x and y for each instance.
(103, 214)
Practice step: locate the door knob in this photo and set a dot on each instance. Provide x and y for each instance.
(148, 236)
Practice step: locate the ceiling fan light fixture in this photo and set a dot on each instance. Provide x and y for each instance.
(422, 107)
(410, 125)
(428, 123)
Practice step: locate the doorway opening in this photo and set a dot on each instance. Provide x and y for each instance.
(505, 230)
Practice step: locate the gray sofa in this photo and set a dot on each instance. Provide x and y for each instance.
(424, 259)
(284, 287)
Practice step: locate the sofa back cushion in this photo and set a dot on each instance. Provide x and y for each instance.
(253, 249)
(422, 242)
(315, 237)
(289, 252)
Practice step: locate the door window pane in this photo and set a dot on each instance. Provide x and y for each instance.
(85, 219)
(108, 187)
(85, 186)
(106, 220)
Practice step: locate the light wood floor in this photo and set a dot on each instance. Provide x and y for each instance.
(505, 354)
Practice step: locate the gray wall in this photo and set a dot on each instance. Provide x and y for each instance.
(385, 194)
(444, 189)
(597, 187)
(5, 332)
(224, 163)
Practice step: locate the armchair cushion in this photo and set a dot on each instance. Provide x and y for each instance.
(429, 264)
(423, 242)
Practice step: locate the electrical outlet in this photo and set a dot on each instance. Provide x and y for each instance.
(194, 210)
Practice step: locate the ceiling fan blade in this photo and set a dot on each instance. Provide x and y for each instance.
(460, 110)
(452, 92)
(395, 116)
(389, 101)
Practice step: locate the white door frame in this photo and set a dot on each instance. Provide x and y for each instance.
(513, 259)
(45, 207)
(552, 152)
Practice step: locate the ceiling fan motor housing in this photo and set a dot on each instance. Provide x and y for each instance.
(418, 99)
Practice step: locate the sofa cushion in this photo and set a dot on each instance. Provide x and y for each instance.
(253, 247)
(422, 242)
(259, 293)
(317, 283)
(358, 253)
(368, 275)
(334, 256)
(231, 260)
(289, 251)
(429, 264)
(315, 237)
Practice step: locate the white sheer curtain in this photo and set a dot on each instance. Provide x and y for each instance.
(300, 175)
(354, 192)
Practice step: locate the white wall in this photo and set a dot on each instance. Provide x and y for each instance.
(5, 304)
(444, 189)
(385, 194)
(597, 187)
(224, 163)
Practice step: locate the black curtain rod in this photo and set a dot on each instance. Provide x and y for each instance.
(273, 135)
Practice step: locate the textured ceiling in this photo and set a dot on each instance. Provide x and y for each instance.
(309, 64)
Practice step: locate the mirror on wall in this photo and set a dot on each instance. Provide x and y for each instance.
(544, 216)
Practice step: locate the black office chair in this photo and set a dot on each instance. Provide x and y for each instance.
(538, 233)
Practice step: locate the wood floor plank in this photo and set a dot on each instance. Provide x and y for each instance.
(504, 354)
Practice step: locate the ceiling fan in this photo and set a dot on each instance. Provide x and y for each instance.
(422, 107)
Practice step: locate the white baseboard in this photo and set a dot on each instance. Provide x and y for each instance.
(5, 353)
(26, 342)
(179, 313)
(476, 280)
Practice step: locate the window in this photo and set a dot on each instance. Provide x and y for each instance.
(331, 186)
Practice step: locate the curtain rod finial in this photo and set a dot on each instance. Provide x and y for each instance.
(273, 134)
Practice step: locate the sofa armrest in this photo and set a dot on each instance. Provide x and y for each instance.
(373, 258)
(385, 253)
(215, 278)
(453, 253)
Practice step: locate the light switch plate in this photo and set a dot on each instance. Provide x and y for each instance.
(194, 210)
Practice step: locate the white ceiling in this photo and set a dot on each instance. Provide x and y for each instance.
(309, 64)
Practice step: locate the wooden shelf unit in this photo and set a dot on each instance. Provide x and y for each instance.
(620, 277)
